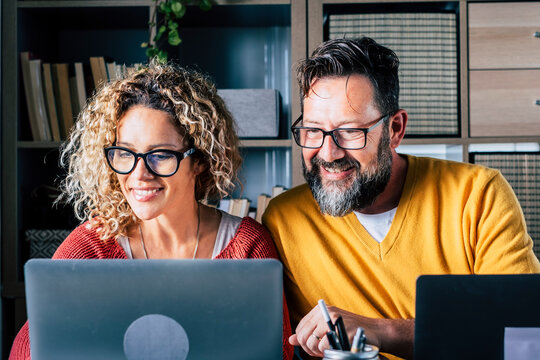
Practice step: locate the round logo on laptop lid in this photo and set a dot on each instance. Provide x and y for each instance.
(156, 336)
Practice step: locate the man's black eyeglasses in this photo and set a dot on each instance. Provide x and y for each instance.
(345, 138)
(159, 162)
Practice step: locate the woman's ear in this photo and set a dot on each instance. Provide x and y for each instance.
(198, 166)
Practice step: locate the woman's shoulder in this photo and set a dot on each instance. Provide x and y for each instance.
(84, 243)
(251, 240)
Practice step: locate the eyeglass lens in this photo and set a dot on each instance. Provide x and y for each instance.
(160, 162)
(345, 138)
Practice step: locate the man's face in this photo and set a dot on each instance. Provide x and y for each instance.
(345, 180)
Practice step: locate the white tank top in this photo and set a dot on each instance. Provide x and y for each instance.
(227, 229)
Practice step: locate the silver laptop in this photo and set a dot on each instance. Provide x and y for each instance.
(154, 309)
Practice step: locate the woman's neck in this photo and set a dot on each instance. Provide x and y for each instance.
(190, 233)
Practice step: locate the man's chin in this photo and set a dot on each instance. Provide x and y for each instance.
(336, 185)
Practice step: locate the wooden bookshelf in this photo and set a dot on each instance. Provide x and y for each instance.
(96, 28)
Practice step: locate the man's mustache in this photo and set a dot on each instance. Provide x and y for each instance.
(339, 164)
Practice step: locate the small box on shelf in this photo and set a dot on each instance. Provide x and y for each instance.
(255, 111)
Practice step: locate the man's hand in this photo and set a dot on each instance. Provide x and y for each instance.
(393, 336)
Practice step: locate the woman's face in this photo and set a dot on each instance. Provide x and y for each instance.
(141, 130)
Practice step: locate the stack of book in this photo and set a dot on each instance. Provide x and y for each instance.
(522, 171)
(241, 207)
(236, 207)
(426, 44)
(56, 92)
(263, 200)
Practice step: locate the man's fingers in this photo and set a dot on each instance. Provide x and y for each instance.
(323, 344)
(293, 340)
(312, 346)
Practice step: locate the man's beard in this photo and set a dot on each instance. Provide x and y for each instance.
(337, 198)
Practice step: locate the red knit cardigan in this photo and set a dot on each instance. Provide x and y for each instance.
(251, 241)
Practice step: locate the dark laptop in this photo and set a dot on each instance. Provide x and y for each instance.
(465, 316)
(155, 309)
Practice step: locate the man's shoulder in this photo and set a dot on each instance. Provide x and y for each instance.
(291, 203)
(445, 167)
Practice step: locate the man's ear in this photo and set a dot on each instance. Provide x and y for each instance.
(398, 123)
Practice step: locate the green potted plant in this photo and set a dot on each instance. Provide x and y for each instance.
(166, 25)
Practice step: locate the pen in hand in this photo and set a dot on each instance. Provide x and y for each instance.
(342, 332)
(331, 335)
(332, 340)
(326, 315)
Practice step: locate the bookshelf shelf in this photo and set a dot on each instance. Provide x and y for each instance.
(285, 143)
(83, 3)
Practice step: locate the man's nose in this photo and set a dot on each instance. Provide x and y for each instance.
(329, 150)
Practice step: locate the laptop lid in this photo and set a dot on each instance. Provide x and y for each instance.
(465, 316)
(154, 309)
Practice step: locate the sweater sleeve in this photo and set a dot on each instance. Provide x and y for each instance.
(82, 243)
(21, 345)
(499, 229)
(252, 241)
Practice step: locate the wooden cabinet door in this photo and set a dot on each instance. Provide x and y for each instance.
(504, 103)
(504, 35)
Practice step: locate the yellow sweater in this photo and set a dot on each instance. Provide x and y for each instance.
(452, 218)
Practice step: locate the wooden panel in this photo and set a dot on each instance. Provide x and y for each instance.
(503, 103)
(501, 35)
(298, 51)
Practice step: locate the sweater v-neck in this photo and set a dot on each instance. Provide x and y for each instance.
(381, 250)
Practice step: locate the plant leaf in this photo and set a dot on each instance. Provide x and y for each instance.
(173, 25)
(144, 45)
(150, 52)
(178, 8)
(162, 56)
(174, 39)
(160, 32)
(205, 5)
(163, 7)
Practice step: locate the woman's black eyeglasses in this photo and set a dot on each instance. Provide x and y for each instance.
(159, 162)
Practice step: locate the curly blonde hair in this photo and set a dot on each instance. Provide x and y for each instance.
(196, 110)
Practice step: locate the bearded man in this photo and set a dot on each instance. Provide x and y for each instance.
(369, 221)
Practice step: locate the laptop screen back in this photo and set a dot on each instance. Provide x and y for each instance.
(464, 316)
(166, 309)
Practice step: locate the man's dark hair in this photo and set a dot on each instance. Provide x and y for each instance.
(362, 56)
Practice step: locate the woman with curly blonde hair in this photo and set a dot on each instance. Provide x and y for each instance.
(144, 153)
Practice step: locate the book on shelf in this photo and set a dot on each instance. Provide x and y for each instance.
(99, 71)
(39, 93)
(35, 100)
(78, 88)
(62, 94)
(263, 200)
(239, 207)
(111, 71)
(50, 102)
(236, 207)
(276, 190)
